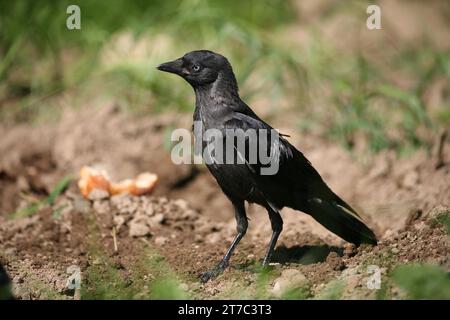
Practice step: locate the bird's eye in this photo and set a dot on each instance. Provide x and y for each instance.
(196, 68)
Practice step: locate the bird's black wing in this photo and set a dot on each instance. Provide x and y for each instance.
(295, 173)
(298, 185)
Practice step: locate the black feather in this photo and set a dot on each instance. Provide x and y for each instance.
(296, 184)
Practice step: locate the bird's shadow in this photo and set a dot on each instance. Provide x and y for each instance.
(304, 254)
(297, 254)
(5, 285)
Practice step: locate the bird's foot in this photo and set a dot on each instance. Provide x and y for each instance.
(214, 272)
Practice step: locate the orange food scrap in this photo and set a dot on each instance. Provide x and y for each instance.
(93, 181)
(95, 184)
(123, 186)
(145, 182)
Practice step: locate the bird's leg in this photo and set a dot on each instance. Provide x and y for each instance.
(277, 226)
(242, 224)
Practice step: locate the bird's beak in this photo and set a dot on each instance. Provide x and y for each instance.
(175, 66)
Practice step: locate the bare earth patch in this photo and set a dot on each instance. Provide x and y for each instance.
(186, 226)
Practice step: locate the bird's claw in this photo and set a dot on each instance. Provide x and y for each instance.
(213, 273)
(206, 276)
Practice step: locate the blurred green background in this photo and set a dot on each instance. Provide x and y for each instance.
(313, 61)
(311, 65)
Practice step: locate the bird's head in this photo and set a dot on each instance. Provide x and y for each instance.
(201, 68)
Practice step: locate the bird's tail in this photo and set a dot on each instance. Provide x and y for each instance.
(338, 217)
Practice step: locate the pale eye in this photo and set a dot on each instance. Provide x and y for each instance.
(196, 68)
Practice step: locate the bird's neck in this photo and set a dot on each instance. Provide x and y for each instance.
(221, 91)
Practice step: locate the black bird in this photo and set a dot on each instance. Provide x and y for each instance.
(296, 184)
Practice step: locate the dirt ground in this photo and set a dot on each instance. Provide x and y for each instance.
(127, 243)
